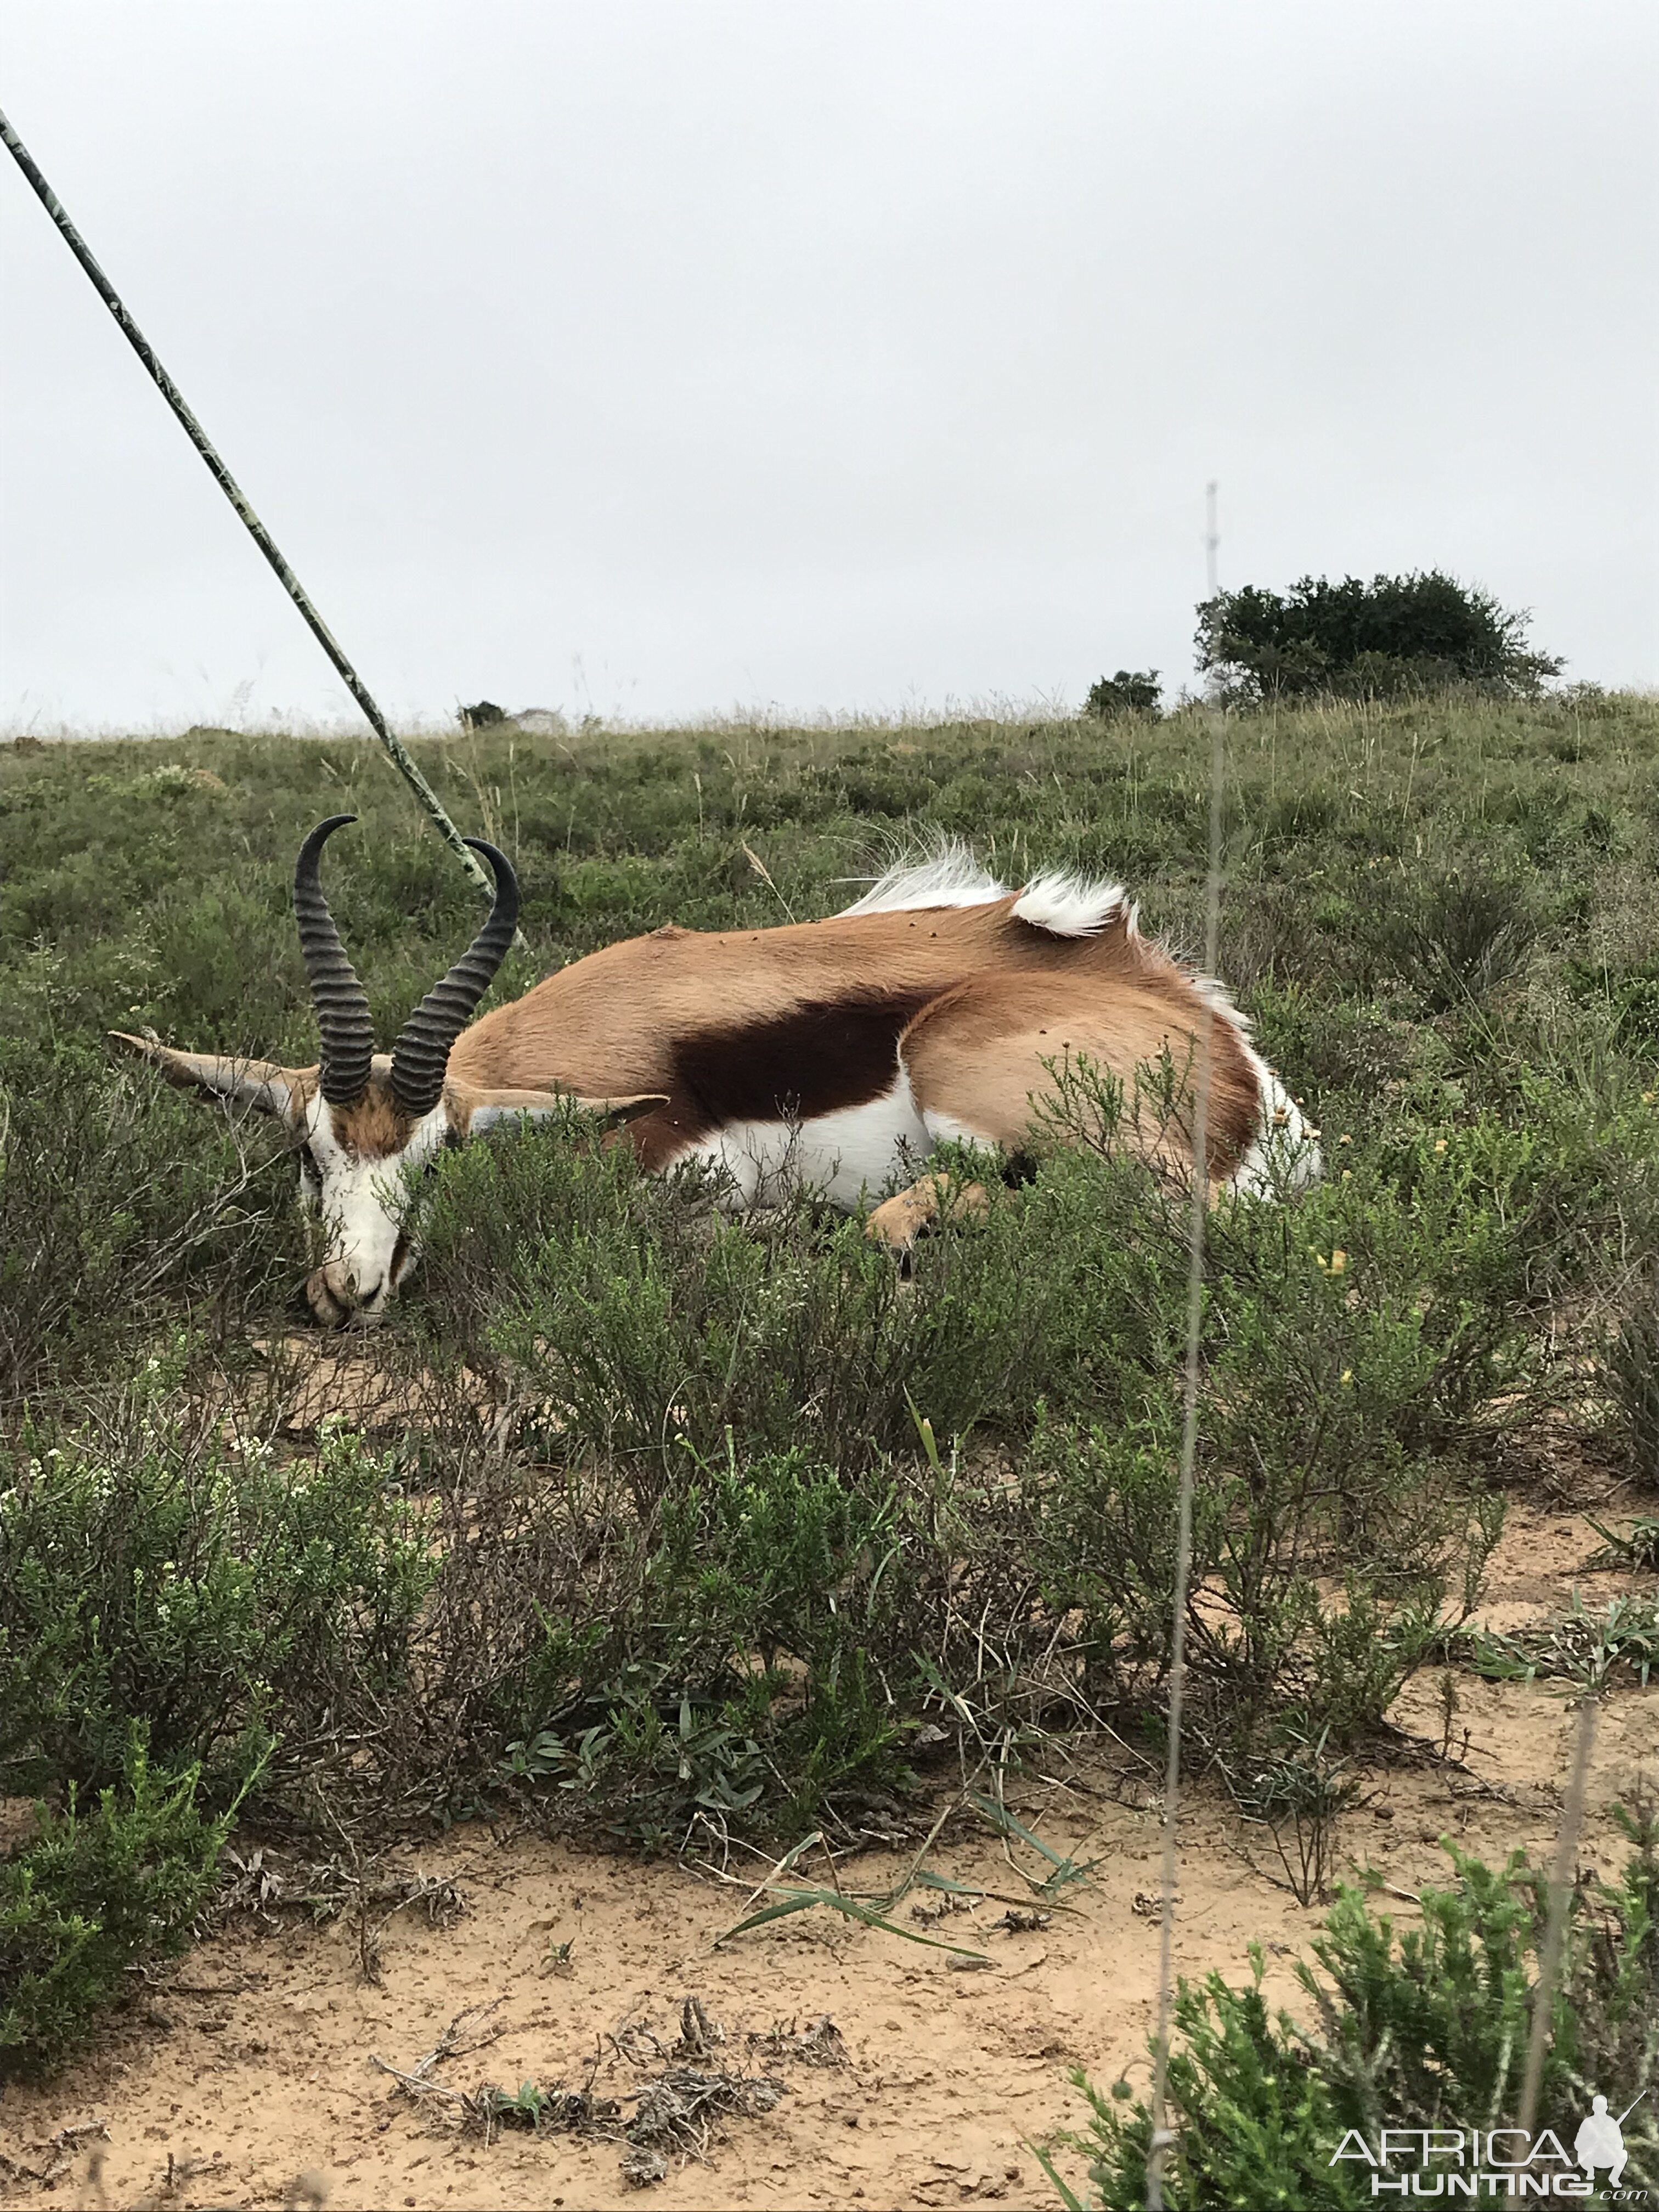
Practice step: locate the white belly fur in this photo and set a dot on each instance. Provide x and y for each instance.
(858, 1152)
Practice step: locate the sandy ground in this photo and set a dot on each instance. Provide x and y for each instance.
(247, 2076)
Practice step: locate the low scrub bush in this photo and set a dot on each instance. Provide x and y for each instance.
(1453, 935)
(100, 1889)
(1634, 1369)
(761, 1642)
(1405, 2028)
(1630, 992)
(123, 1206)
(733, 1419)
(645, 1327)
(153, 1571)
(734, 1674)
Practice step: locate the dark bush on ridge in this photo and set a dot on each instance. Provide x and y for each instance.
(1413, 633)
(1130, 691)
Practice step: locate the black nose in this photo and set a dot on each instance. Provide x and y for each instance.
(367, 1297)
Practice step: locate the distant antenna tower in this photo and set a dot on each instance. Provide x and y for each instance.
(1211, 541)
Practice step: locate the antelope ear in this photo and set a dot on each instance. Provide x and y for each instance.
(478, 1111)
(260, 1083)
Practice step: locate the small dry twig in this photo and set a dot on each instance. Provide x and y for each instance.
(61, 2151)
(698, 2032)
(820, 2043)
(679, 2110)
(1022, 1920)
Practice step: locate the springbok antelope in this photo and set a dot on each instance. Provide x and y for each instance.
(829, 1055)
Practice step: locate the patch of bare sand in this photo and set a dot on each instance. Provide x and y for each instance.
(249, 2076)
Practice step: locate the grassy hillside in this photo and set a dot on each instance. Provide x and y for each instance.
(645, 1523)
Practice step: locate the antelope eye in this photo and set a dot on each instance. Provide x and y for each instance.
(308, 1166)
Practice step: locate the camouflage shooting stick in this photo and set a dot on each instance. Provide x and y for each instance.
(233, 492)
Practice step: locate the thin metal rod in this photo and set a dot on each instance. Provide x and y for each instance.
(1554, 1947)
(1163, 2136)
(233, 492)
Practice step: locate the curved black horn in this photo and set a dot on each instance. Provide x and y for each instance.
(344, 1021)
(421, 1053)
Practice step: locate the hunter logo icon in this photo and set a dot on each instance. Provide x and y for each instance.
(1481, 2162)
(1601, 2140)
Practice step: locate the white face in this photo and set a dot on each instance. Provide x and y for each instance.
(364, 1206)
(358, 1173)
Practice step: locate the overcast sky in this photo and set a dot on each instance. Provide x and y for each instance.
(745, 355)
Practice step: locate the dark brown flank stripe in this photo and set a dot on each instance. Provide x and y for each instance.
(820, 1057)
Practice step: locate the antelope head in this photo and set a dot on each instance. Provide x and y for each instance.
(364, 1124)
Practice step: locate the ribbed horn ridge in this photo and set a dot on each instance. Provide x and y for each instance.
(421, 1053)
(344, 1021)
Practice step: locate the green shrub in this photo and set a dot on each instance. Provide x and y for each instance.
(1454, 935)
(122, 1204)
(96, 1892)
(646, 1327)
(151, 1572)
(1632, 992)
(1415, 632)
(1360, 1340)
(1130, 691)
(1413, 2028)
(723, 1674)
(1634, 1372)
